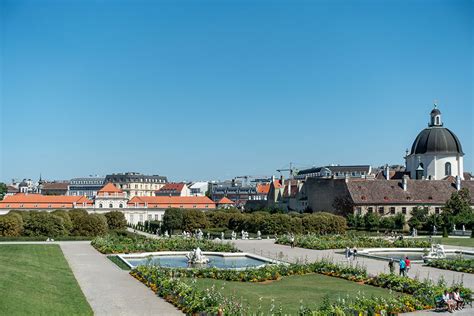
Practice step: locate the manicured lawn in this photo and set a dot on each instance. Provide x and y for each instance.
(464, 242)
(312, 289)
(37, 280)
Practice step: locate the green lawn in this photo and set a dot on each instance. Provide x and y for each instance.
(312, 289)
(37, 280)
(464, 242)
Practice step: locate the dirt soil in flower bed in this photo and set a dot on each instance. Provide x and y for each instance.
(311, 289)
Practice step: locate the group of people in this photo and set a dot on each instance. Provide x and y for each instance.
(453, 300)
(404, 266)
(350, 254)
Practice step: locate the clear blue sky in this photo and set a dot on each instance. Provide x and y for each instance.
(214, 89)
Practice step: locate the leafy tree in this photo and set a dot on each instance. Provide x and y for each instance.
(419, 217)
(173, 219)
(194, 219)
(3, 190)
(90, 225)
(11, 225)
(44, 224)
(116, 220)
(457, 210)
(65, 216)
(399, 221)
(371, 221)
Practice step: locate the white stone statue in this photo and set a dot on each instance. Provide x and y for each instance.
(199, 234)
(259, 235)
(454, 227)
(222, 236)
(166, 234)
(196, 256)
(463, 228)
(234, 235)
(436, 252)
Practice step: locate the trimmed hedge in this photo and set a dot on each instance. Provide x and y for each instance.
(266, 223)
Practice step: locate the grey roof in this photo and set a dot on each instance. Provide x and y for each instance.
(349, 168)
(435, 111)
(436, 140)
(132, 177)
(374, 192)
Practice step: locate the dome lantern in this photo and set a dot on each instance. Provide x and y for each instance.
(435, 117)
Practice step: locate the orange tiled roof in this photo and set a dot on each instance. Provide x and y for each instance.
(225, 200)
(172, 201)
(263, 188)
(32, 201)
(109, 188)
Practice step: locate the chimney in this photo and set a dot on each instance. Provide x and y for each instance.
(458, 182)
(282, 179)
(404, 182)
(387, 172)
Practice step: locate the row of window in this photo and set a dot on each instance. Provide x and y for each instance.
(140, 217)
(110, 205)
(381, 210)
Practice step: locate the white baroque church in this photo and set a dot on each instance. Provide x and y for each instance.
(436, 152)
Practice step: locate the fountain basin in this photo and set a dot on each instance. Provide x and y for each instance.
(178, 259)
(415, 254)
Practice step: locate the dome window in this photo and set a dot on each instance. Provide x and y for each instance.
(447, 169)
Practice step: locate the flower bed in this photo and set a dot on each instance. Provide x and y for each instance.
(268, 272)
(321, 242)
(111, 244)
(461, 265)
(166, 283)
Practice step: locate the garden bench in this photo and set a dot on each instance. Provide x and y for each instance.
(440, 305)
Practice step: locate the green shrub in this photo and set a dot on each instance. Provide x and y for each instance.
(11, 225)
(65, 216)
(44, 224)
(116, 220)
(90, 225)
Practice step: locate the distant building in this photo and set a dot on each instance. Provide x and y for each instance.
(174, 189)
(87, 186)
(199, 188)
(110, 197)
(436, 152)
(288, 195)
(384, 197)
(55, 188)
(225, 203)
(336, 172)
(136, 184)
(234, 191)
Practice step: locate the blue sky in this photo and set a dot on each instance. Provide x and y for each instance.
(215, 89)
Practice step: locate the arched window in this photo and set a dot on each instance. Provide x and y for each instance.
(100, 205)
(437, 120)
(110, 205)
(447, 169)
(121, 205)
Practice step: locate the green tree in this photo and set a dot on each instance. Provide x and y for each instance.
(11, 225)
(399, 221)
(371, 221)
(457, 210)
(116, 220)
(65, 216)
(194, 219)
(90, 225)
(419, 217)
(3, 190)
(173, 219)
(44, 224)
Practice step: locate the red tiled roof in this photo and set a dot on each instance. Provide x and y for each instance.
(225, 200)
(22, 200)
(109, 188)
(172, 187)
(173, 201)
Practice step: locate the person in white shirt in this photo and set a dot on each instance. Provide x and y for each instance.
(458, 299)
(448, 301)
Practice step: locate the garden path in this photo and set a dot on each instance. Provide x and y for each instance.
(108, 289)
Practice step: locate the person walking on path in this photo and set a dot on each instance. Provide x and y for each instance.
(407, 265)
(391, 266)
(402, 266)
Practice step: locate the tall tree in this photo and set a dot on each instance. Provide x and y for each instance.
(3, 190)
